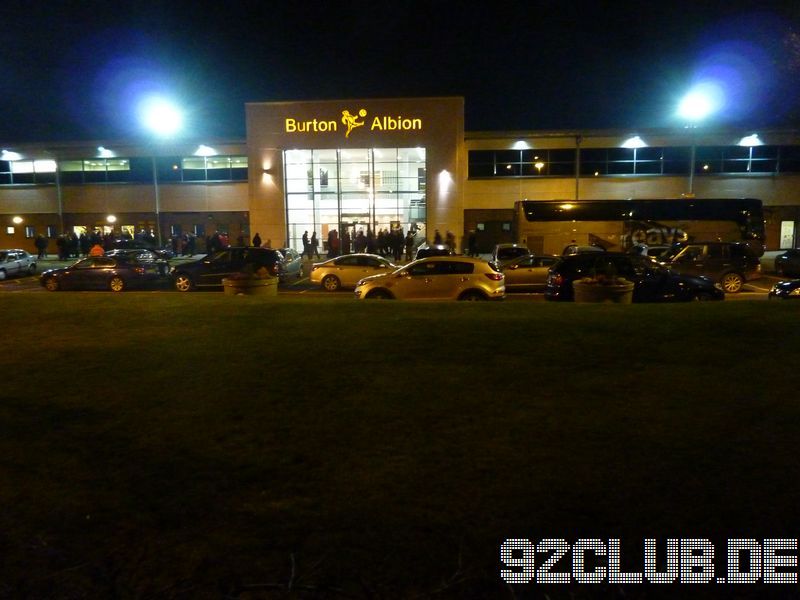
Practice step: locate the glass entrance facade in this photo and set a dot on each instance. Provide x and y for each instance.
(352, 190)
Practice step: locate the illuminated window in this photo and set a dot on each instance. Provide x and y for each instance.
(211, 168)
(27, 171)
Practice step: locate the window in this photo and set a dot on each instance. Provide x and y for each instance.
(203, 168)
(10, 230)
(30, 231)
(200, 230)
(596, 162)
(522, 163)
(27, 172)
(737, 159)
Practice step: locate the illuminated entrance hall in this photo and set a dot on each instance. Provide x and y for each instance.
(352, 190)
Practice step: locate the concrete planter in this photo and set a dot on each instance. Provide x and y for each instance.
(251, 287)
(618, 293)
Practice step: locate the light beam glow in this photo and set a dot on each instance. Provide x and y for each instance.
(160, 116)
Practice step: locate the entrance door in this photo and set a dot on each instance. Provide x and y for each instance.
(352, 227)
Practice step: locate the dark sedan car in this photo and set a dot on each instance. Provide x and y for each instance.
(786, 290)
(653, 282)
(424, 251)
(208, 272)
(148, 257)
(127, 244)
(788, 263)
(115, 273)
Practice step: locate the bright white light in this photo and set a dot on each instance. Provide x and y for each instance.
(634, 142)
(8, 155)
(701, 101)
(203, 150)
(751, 140)
(160, 116)
(520, 145)
(103, 152)
(17, 220)
(445, 182)
(111, 219)
(44, 166)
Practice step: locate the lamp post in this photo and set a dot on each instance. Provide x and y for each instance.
(163, 119)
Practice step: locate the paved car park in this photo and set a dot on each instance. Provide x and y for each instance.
(753, 290)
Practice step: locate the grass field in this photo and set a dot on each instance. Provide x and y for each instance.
(166, 445)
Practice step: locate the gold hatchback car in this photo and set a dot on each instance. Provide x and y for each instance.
(436, 278)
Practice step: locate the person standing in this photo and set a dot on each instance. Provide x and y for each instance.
(41, 245)
(257, 240)
(307, 244)
(313, 246)
(409, 244)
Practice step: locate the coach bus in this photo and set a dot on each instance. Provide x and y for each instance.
(549, 226)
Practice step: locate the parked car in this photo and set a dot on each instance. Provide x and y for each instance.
(143, 256)
(424, 250)
(527, 273)
(115, 273)
(128, 244)
(346, 270)
(292, 264)
(504, 253)
(208, 272)
(16, 262)
(788, 263)
(787, 290)
(436, 278)
(652, 281)
(645, 250)
(730, 264)
(578, 249)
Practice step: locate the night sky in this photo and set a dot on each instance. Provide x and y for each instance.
(75, 70)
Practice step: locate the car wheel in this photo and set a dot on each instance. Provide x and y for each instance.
(779, 270)
(732, 282)
(51, 284)
(183, 283)
(300, 272)
(32, 269)
(331, 283)
(116, 284)
(472, 296)
(2, 274)
(379, 295)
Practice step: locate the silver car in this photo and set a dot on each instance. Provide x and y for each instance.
(16, 262)
(436, 278)
(528, 273)
(345, 271)
(292, 265)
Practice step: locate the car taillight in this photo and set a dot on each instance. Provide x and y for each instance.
(495, 276)
(555, 280)
(139, 270)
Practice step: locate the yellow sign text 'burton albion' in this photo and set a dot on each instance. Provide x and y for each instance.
(353, 121)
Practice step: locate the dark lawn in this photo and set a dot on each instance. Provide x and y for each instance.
(207, 446)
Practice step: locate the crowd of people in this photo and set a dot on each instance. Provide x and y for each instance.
(388, 243)
(71, 245)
